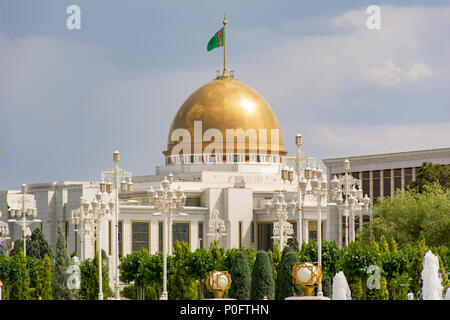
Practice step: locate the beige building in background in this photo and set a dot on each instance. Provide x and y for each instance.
(381, 175)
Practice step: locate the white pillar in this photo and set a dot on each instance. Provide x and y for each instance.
(305, 230)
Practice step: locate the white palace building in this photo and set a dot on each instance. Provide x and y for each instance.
(237, 180)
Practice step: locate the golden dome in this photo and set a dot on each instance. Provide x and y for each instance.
(225, 103)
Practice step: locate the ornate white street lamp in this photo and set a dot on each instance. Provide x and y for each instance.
(216, 226)
(79, 218)
(117, 179)
(319, 193)
(349, 187)
(94, 213)
(25, 212)
(287, 173)
(168, 202)
(282, 229)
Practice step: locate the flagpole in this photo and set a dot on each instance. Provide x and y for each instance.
(225, 73)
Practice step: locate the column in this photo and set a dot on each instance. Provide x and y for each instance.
(340, 231)
(402, 174)
(305, 230)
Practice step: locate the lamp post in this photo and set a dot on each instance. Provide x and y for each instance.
(112, 178)
(26, 213)
(168, 202)
(216, 226)
(94, 213)
(319, 193)
(287, 173)
(80, 218)
(282, 229)
(350, 188)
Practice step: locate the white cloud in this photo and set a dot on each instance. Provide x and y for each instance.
(327, 141)
(391, 75)
(74, 106)
(418, 71)
(411, 47)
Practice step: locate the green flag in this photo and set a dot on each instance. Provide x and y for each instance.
(216, 41)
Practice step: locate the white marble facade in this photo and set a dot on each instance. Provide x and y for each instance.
(238, 193)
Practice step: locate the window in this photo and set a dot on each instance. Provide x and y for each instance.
(160, 236)
(312, 230)
(366, 183)
(356, 222)
(265, 233)
(408, 176)
(417, 171)
(376, 185)
(180, 232)
(387, 183)
(397, 179)
(140, 236)
(252, 232)
(343, 229)
(75, 240)
(294, 228)
(200, 234)
(192, 201)
(120, 235)
(66, 229)
(366, 221)
(240, 234)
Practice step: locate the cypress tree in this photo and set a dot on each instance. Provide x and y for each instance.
(356, 288)
(60, 291)
(272, 269)
(18, 246)
(5, 271)
(240, 278)
(37, 245)
(88, 280)
(19, 277)
(275, 258)
(181, 286)
(284, 285)
(44, 284)
(262, 283)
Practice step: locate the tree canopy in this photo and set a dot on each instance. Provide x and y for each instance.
(409, 216)
(430, 173)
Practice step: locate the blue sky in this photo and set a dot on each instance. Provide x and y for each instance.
(69, 98)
